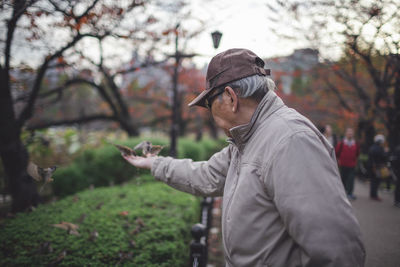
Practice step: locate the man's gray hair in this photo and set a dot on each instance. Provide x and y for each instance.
(253, 86)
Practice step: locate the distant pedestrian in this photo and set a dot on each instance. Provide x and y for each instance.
(329, 135)
(347, 152)
(377, 158)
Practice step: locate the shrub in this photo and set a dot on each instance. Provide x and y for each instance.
(188, 148)
(98, 167)
(104, 166)
(115, 213)
(212, 146)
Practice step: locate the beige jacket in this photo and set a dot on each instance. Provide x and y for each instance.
(283, 201)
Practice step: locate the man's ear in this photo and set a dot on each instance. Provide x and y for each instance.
(233, 98)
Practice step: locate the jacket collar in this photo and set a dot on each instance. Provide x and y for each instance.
(268, 105)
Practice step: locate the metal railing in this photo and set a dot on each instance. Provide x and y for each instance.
(198, 246)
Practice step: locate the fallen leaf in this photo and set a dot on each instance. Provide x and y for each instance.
(70, 227)
(124, 213)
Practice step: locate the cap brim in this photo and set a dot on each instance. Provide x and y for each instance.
(200, 99)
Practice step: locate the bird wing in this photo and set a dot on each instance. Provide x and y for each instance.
(125, 150)
(156, 149)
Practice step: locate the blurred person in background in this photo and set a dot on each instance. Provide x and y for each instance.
(347, 151)
(329, 135)
(377, 158)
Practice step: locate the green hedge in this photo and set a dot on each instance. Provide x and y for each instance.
(105, 166)
(163, 240)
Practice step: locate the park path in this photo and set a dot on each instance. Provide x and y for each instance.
(380, 226)
(379, 222)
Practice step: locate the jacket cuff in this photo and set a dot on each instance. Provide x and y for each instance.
(158, 166)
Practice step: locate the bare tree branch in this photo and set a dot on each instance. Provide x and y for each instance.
(79, 120)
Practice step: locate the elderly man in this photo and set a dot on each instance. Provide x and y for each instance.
(283, 201)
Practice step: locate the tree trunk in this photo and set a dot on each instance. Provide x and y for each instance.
(394, 119)
(366, 132)
(129, 127)
(14, 156)
(19, 183)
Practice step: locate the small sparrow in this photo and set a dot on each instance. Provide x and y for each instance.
(41, 174)
(145, 146)
(148, 149)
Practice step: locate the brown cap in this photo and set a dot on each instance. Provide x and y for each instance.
(229, 66)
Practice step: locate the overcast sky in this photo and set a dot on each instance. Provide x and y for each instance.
(243, 24)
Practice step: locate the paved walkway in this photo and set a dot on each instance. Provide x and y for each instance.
(380, 226)
(379, 221)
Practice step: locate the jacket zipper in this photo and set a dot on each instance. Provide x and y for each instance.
(228, 205)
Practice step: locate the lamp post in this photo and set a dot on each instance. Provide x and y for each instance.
(176, 100)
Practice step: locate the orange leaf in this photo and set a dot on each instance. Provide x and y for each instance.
(124, 213)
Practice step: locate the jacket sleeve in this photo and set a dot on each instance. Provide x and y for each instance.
(203, 178)
(311, 201)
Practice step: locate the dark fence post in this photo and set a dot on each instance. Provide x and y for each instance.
(198, 248)
(206, 212)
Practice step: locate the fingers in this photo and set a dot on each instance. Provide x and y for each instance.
(129, 157)
(140, 162)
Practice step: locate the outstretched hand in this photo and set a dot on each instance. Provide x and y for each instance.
(140, 162)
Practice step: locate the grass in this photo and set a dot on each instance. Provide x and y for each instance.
(116, 213)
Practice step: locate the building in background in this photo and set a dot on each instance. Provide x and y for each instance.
(297, 65)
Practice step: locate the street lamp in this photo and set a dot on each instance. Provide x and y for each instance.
(176, 100)
(216, 38)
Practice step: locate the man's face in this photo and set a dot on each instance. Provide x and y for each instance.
(221, 110)
(349, 133)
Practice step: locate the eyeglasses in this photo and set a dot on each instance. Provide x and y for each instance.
(209, 100)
